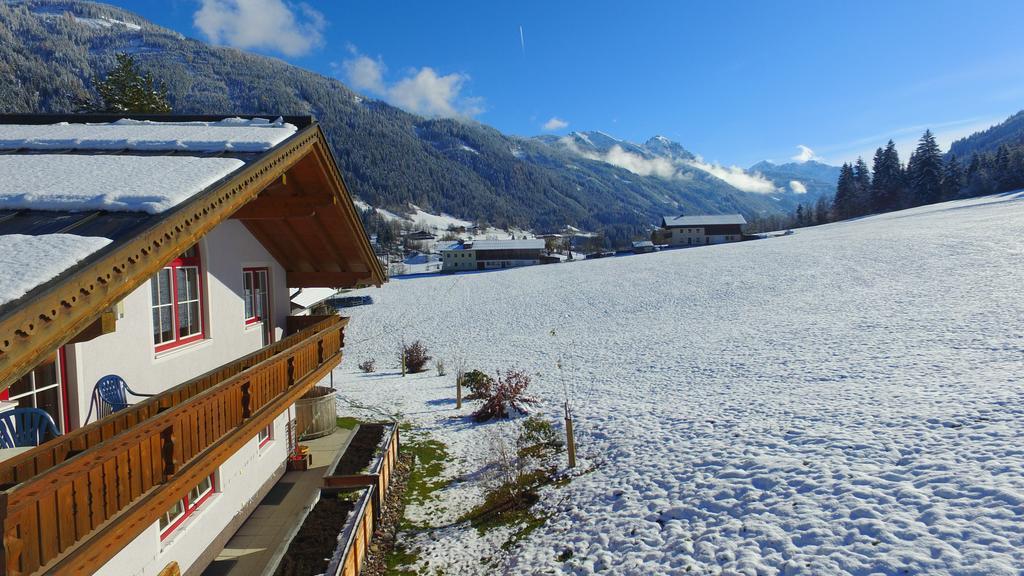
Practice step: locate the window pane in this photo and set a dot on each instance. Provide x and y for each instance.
(22, 386)
(166, 323)
(182, 284)
(49, 400)
(184, 325)
(164, 287)
(46, 375)
(247, 277)
(192, 274)
(193, 316)
(173, 514)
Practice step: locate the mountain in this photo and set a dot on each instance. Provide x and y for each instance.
(50, 49)
(815, 177)
(1009, 132)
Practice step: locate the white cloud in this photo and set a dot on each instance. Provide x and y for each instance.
(555, 123)
(736, 177)
(365, 73)
(292, 29)
(635, 163)
(427, 93)
(805, 154)
(668, 168)
(422, 91)
(797, 187)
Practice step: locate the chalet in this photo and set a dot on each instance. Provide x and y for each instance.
(644, 247)
(701, 230)
(160, 250)
(492, 254)
(421, 236)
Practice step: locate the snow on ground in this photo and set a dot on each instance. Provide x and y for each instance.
(844, 400)
(28, 261)
(78, 182)
(230, 134)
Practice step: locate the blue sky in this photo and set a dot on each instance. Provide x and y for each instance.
(735, 82)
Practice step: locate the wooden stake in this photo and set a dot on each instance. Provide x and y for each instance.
(458, 390)
(570, 439)
(403, 363)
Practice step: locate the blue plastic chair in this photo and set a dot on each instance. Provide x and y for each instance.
(111, 395)
(25, 427)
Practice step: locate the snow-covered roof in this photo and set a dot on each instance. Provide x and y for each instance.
(228, 135)
(704, 220)
(307, 297)
(28, 261)
(643, 244)
(531, 244)
(76, 182)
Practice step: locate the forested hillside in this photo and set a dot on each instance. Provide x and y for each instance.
(50, 51)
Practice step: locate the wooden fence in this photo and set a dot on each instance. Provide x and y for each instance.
(72, 503)
(378, 478)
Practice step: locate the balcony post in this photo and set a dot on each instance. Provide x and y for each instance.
(319, 351)
(246, 401)
(169, 447)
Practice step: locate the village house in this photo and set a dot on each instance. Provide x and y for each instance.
(701, 230)
(156, 255)
(492, 254)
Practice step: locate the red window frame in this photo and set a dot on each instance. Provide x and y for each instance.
(251, 274)
(269, 430)
(176, 264)
(63, 418)
(189, 507)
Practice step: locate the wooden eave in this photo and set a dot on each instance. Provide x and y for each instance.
(70, 305)
(308, 222)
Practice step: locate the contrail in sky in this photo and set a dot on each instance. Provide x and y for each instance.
(522, 40)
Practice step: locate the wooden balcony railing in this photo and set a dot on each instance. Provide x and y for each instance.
(71, 504)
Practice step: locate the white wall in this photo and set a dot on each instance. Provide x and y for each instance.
(238, 480)
(129, 351)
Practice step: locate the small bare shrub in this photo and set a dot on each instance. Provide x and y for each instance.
(415, 356)
(480, 385)
(439, 364)
(368, 365)
(507, 396)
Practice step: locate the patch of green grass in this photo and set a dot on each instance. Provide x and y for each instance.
(425, 478)
(424, 481)
(399, 559)
(347, 422)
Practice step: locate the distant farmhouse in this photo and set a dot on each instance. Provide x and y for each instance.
(702, 230)
(421, 235)
(644, 247)
(492, 254)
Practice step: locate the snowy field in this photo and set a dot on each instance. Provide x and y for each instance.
(845, 400)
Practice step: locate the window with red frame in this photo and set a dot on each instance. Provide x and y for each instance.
(184, 508)
(177, 300)
(265, 435)
(256, 290)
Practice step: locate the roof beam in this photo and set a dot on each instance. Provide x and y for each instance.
(296, 279)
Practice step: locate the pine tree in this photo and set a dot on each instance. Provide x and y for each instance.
(862, 184)
(952, 178)
(887, 181)
(977, 181)
(821, 210)
(925, 171)
(1003, 170)
(846, 192)
(801, 219)
(126, 90)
